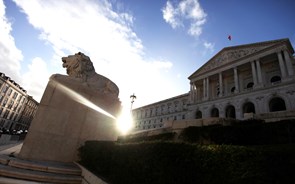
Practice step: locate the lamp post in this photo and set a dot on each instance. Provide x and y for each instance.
(133, 97)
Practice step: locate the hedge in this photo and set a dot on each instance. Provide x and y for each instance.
(162, 162)
(250, 132)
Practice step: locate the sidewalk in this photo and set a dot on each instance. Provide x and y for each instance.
(13, 149)
(17, 171)
(10, 148)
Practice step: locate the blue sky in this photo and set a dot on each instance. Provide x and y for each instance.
(147, 47)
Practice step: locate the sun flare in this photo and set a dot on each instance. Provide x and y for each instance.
(124, 121)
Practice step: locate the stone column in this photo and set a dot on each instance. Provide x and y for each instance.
(254, 73)
(282, 65)
(204, 88)
(192, 93)
(196, 93)
(236, 80)
(288, 63)
(207, 86)
(220, 85)
(259, 73)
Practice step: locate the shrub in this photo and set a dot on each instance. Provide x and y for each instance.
(182, 163)
(249, 132)
(167, 136)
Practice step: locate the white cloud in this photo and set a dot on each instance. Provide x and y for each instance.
(36, 78)
(107, 38)
(170, 15)
(186, 10)
(10, 55)
(209, 46)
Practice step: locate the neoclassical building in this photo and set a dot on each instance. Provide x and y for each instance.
(247, 81)
(17, 108)
(155, 115)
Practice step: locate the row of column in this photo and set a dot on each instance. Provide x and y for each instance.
(286, 69)
(285, 64)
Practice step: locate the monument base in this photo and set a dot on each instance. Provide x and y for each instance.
(63, 121)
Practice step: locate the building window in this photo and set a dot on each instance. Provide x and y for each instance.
(232, 90)
(198, 115)
(250, 85)
(10, 104)
(6, 114)
(277, 104)
(217, 89)
(215, 112)
(5, 102)
(230, 112)
(248, 107)
(275, 79)
(9, 92)
(15, 95)
(4, 89)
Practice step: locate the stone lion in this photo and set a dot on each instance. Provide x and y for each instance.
(80, 69)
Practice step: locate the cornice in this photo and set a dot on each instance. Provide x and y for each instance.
(230, 55)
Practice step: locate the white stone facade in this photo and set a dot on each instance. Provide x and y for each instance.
(155, 115)
(247, 81)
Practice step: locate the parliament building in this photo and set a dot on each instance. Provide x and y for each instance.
(254, 80)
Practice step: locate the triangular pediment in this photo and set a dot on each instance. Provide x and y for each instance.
(231, 54)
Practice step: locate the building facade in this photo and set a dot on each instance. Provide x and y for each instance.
(27, 115)
(155, 115)
(248, 81)
(14, 105)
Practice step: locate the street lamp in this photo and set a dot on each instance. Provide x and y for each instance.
(133, 97)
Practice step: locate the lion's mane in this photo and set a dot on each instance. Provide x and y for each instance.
(80, 67)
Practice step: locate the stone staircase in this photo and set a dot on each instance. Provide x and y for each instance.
(39, 171)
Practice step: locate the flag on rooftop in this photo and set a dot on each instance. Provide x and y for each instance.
(229, 37)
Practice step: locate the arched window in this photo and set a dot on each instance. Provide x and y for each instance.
(250, 85)
(198, 115)
(215, 112)
(232, 90)
(277, 104)
(248, 107)
(230, 112)
(275, 79)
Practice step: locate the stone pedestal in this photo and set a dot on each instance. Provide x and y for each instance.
(63, 122)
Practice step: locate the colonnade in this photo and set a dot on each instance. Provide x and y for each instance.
(286, 71)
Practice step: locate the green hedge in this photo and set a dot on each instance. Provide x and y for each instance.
(160, 137)
(183, 163)
(250, 132)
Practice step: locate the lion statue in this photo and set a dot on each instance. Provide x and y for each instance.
(80, 68)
